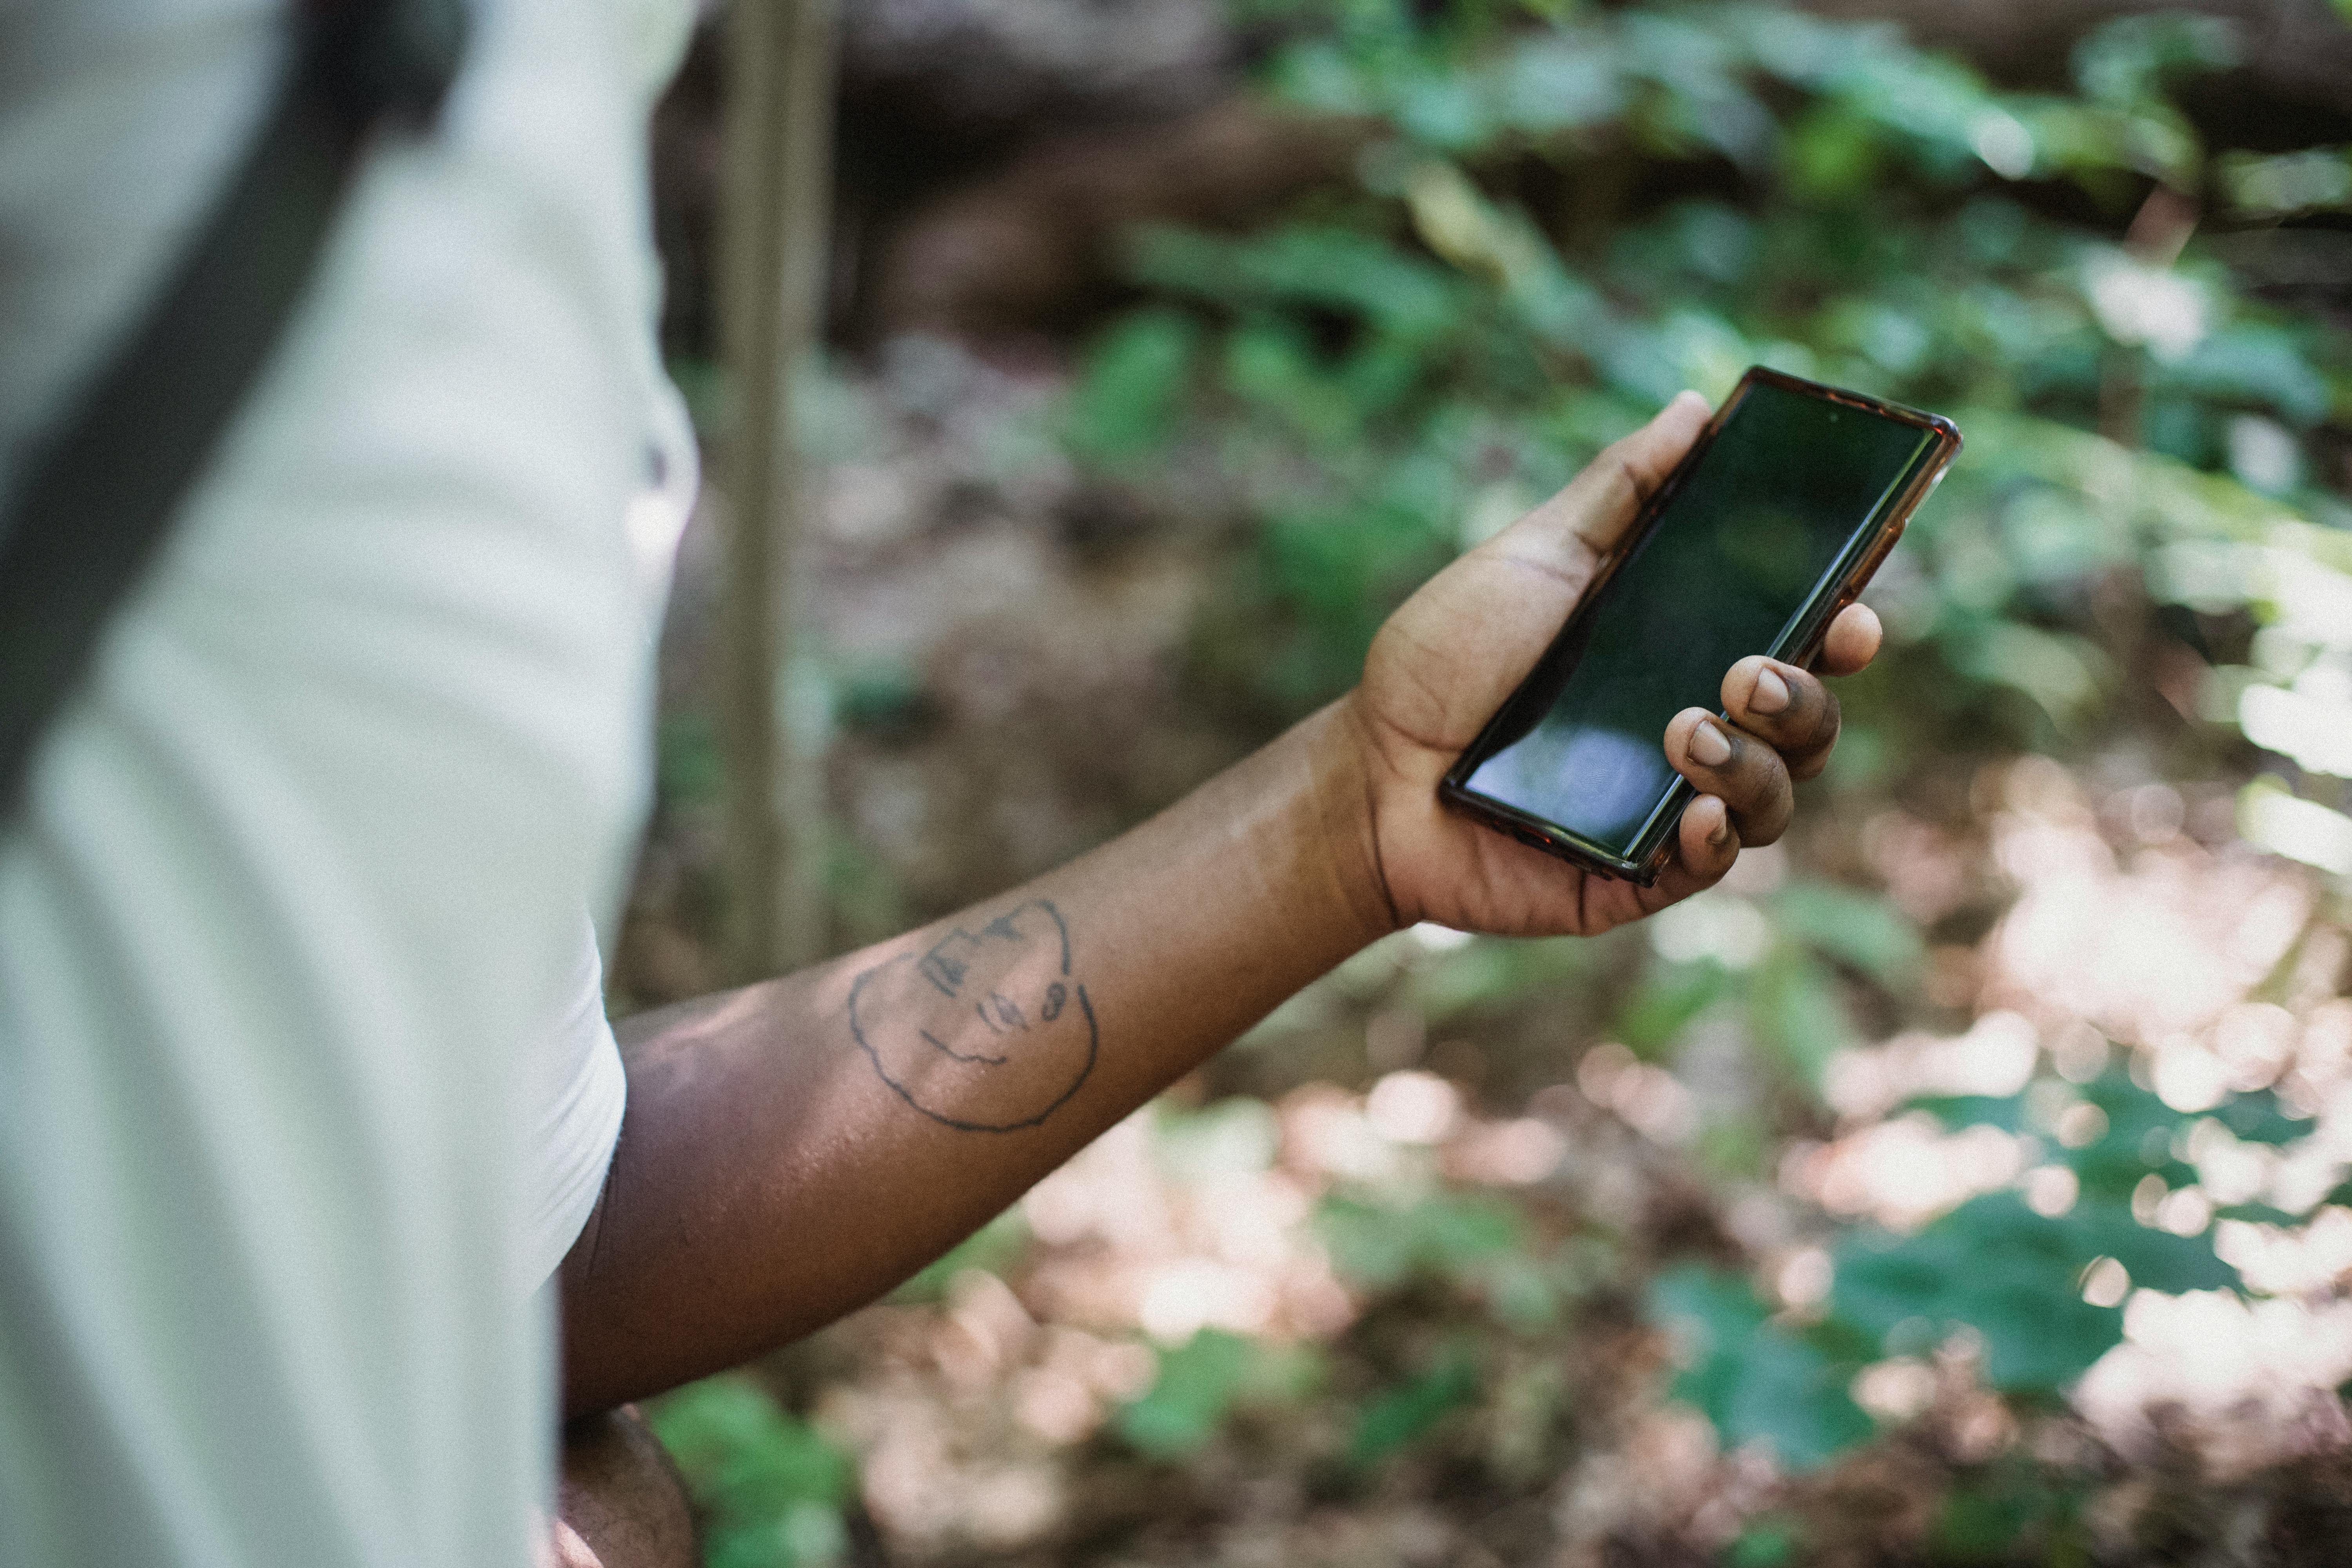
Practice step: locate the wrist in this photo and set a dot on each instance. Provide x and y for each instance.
(1342, 798)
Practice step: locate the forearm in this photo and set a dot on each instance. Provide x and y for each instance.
(793, 1149)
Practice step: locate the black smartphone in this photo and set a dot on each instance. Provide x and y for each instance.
(1789, 500)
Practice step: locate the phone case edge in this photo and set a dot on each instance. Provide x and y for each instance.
(1656, 844)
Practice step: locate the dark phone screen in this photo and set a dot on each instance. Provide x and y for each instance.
(1786, 484)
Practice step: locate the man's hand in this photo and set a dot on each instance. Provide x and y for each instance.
(795, 1148)
(1445, 661)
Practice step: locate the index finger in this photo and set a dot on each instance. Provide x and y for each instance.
(1852, 640)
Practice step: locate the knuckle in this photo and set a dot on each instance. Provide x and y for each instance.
(1757, 774)
(1825, 723)
(1811, 708)
(1766, 816)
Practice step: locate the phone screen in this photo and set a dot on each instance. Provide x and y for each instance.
(1741, 549)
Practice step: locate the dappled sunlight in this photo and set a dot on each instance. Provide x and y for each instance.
(1996, 1057)
(2134, 972)
(2154, 306)
(2244, 1383)
(965, 1416)
(1651, 1100)
(1964, 1177)
(1903, 1172)
(2175, 954)
(2152, 955)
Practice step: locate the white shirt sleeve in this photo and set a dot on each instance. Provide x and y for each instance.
(578, 1088)
(579, 1091)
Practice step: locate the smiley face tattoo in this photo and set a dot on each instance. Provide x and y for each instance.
(985, 1031)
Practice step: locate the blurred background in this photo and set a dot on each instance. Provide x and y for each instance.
(1964, 1181)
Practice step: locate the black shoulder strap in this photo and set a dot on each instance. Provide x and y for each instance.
(98, 495)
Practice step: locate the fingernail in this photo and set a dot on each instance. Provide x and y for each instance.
(1771, 693)
(1709, 746)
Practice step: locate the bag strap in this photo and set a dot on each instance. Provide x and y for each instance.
(99, 494)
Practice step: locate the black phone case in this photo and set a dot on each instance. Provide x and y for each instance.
(1799, 643)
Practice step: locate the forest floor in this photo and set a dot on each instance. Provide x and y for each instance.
(1167, 1353)
(1470, 1252)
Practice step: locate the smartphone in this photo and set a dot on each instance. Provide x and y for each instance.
(1789, 500)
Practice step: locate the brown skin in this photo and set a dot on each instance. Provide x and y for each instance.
(794, 1149)
(619, 1502)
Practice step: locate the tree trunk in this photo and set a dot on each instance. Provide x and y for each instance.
(773, 224)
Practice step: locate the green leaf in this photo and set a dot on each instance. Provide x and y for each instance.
(1755, 1379)
(1189, 1400)
(993, 1248)
(1306, 265)
(743, 1451)
(1666, 1002)
(1483, 973)
(2250, 364)
(881, 699)
(1444, 110)
(2258, 1118)
(1959, 1111)
(2008, 1513)
(1862, 930)
(1453, 1237)
(805, 1533)
(1127, 396)
(1403, 1414)
(1836, 154)
(1765, 1543)
(1369, 1247)
(2064, 675)
(1980, 1527)
(2137, 1140)
(771, 1486)
(2011, 1279)
(2014, 1276)
(1794, 1006)
(2126, 60)
(1560, 82)
(1236, 1135)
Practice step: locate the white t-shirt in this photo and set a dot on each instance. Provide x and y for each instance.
(304, 1078)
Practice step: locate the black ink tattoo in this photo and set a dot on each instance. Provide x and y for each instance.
(948, 1050)
(979, 1033)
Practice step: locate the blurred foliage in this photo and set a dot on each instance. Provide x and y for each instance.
(1563, 214)
(2011, 1277)
(1203, 1382)
(1757, 1380)
(769, 1488)
(1568, 215)
(994, 1248)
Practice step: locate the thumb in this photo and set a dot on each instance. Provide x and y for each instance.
(1587, 517)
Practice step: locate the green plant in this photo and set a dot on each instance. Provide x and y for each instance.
(1564, 214)
(1755, 1380)
(2017, 1280)
(770, 1488)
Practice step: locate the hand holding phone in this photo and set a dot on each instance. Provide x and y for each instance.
(1456, 651)
(1769, 526)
